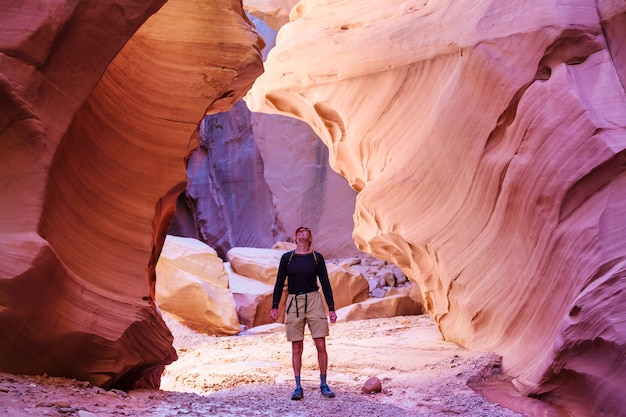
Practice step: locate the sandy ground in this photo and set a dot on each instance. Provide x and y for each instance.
(250, 375)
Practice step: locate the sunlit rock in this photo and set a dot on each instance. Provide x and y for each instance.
(192, 284)
(284, 246)
(487, 143)
(99, 105)
(256, 263)
(389, 306)
(253, 298)
(349, 286)
(193, 257)
(404, 290)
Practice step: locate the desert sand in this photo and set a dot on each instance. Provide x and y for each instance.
(250, 375)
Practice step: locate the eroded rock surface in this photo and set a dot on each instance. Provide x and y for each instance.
(257, 177)
(100, 102)
(193, 285)
(487, 143)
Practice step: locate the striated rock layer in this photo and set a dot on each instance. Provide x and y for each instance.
(97, 117)
(193, 285)
(227, 201)
(256, 177)
(487, 143)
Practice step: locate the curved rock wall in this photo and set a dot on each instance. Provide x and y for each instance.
(227, 201)
(487, 143)
(305, 190)
(93, 158)
(256, 177)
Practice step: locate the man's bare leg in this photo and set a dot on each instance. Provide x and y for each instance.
(296, 356)
(322, 359)
(322, 355)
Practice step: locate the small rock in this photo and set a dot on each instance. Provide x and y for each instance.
(372, 386)
(97, 390)
(381, 281)
(53, 403)
(378, 293)
(373, 283)
(354, 261)
(83, 413)
(60, 403)
(390, 279)
(117, 393)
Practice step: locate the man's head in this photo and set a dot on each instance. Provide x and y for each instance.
(304, 233)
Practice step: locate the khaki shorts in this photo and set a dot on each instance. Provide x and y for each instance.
(314, 316)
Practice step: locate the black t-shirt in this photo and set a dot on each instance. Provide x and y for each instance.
(301, 273)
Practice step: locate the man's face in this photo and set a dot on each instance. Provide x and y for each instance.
(303, 234)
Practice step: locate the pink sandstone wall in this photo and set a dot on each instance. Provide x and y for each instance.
(487, 143)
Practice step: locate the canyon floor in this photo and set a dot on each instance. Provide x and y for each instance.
(250, 375)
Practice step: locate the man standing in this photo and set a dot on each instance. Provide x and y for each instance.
(301, 267)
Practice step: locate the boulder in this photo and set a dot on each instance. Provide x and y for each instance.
(284, 246)
(389, 306)
(192, 284)
(390, 279)
(404, 290)
(252, 297)
(379, 292)
(372, 386)
(194, 258)
(256, 263)
(349, 286)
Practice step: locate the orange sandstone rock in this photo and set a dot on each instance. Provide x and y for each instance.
(99, 105)
(372, 385)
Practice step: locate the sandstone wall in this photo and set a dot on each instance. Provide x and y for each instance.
(96, 120)
(487, 143)
(227, 201)
(256, 177)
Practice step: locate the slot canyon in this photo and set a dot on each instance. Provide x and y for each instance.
(472, 150)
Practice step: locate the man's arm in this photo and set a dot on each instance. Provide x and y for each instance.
(322, 274)
(281, 275)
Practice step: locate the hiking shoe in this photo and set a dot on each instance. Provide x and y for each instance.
(297, 394)
(326, 391)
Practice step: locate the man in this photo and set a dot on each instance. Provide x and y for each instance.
(301, 268)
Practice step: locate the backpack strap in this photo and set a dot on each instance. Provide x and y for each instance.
(293, 251)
